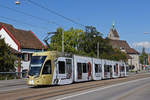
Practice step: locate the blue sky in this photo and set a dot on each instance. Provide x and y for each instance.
(132, 17)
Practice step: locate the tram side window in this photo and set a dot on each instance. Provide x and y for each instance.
(100, 68)
(61, 67)
(96, 68)
(122, 69)
(84, 67)
(68, 66)
(105, 68)
(110, 68)
(115, 68)
(47, 68)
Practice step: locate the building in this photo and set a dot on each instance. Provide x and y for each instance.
(22, 41)
(132, 54)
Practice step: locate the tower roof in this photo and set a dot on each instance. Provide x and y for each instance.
(114, 32)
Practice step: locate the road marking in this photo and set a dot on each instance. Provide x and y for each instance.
(101, 88)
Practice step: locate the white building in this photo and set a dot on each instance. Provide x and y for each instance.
(22, 41)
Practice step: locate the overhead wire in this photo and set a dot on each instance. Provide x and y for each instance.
(14, 20)
(56, 13)
(22, 22)
(27, 14)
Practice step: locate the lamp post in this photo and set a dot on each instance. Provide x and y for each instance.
(97, 47)
(17, 2)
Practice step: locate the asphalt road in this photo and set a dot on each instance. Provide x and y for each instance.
(132, 90)
(8, 85)
(129, 88)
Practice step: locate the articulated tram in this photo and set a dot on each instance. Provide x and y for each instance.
(53, 68)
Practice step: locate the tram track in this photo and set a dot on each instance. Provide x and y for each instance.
(72, 90)
(12, 85)
(52, 91)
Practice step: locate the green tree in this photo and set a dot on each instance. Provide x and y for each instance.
(143, 57)
(85, 43)
(7, 59)
(71, 40)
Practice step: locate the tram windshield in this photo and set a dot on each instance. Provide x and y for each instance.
(36, 64)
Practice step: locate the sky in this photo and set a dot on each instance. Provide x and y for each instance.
(131, 17)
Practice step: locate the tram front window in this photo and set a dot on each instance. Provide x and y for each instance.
(36, 64)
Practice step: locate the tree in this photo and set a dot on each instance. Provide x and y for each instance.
(6, 58)
(143, 57)
(85, 43)
(71, 40)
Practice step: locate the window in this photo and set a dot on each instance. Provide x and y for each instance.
(61, 67)
(110, 68)
(25, 56)
(116, 68)
(100, 68)
(79, 67)
(37, 59)
(96, 68)
(107, 68)
(68, 66)
(84, 67)
(122, 68)
(47, 67)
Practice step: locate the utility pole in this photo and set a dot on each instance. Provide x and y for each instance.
(97, 49)
(62, 41)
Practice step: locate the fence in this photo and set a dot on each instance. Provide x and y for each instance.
(12, 75)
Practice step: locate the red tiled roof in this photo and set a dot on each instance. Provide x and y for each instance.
(122, 44)
(26, 39)
(132, 51)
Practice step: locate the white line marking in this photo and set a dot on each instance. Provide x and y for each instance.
(102, 88)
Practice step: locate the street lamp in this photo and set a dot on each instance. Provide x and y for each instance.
(17, 2)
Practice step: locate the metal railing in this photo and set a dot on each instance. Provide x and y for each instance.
(12, 75)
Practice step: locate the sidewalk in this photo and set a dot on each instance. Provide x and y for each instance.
(139, 72)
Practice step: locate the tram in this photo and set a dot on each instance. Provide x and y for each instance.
(54, 68)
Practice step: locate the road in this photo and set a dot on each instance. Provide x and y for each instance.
(131, 90)
(94, 90)
(8, 85)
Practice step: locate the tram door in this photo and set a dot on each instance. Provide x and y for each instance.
(79, 69)
(110, 70)
(47, 73)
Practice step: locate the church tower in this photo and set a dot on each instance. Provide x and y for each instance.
(113, 34)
